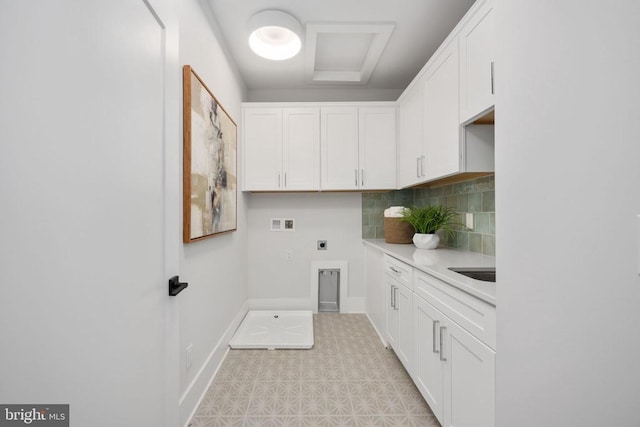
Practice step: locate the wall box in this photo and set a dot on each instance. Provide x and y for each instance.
(209, 165)
(282, 224)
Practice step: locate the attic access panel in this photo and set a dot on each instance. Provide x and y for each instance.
(361, 46)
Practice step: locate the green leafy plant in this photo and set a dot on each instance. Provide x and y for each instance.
(429, 219)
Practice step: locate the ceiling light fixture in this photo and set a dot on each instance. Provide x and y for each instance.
(275, 35)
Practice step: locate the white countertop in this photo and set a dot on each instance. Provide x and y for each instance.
(437, 262)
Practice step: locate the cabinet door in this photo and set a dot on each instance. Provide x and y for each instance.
(441, 120)
(410, 136)
(377, 148)
(428, 368)
(262, 148)
(476, 63)
(404, 344)
(391, 313)
(339, 148)
(301, 148)
(470, 380)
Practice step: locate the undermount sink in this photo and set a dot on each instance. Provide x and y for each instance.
(487, 274)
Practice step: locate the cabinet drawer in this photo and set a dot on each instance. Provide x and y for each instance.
(474, 315)
(400, 271)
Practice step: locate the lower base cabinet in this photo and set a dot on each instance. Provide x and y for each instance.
(453, 370)
(398, 316)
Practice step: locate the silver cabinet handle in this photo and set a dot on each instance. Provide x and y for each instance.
(492, 79)
(423, 159)
(391, 297)
(436, 323)
(278, 180)
(418, 167)
(356, 171)
(362, 177)
(395, 298)
(443, 331)
(285, 180)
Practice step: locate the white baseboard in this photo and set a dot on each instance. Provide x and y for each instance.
(348, 305)
(195, 392)
(380, 335)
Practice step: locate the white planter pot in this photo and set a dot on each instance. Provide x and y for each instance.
(426, 241)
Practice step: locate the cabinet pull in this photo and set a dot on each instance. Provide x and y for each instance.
(436, 323)
(492, 81)
(418, 167)
(285, 180)
(392, 303)
(278, 180)
(362, 177)
(443, 331)
(395, 298)
(356, 171)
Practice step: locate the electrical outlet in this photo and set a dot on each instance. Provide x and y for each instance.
(469, 221)
(322, 245)
(288, 255)
(189, 360)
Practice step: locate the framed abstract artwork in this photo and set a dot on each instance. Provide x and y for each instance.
(209, 166)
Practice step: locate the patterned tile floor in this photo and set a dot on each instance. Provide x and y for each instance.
(347, 379)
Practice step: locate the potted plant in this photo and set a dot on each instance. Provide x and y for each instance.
(426, 220)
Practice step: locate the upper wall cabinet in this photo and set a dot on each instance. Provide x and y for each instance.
(281, 148)
(430, 133)
(477, 63)
(441, 125)
(358, 148)
(410, 144)
(432, 143)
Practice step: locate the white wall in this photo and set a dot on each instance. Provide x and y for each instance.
(335, 217)
(567, 196)
(216, 268)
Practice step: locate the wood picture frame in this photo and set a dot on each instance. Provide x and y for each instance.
(210, 191)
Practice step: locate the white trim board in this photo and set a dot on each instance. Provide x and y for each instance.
(197, 389)
(350, 305)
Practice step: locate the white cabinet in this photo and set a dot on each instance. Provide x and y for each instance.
(377, 147)
(398, 286)
(281, 148)
(300, 148)
(477, 63)
(455, 85)
(391, 311)
(398, 320)
(429, 146)
(429, 366)
(454, 370)
(441, 119)
(469, 379)
(410, 135)
(358, 148)
(262, 136)
(339, 148)
(444, 337)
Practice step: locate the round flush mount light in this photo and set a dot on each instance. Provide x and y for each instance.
(275, 35)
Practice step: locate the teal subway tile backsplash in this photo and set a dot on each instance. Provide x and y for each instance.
(475, 196)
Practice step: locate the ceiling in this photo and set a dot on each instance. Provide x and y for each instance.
(352, 50)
